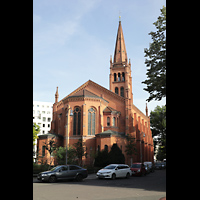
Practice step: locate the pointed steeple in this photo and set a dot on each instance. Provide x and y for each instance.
(56, 95)
(120, 55)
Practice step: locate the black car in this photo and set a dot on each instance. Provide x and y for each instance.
(63, 172)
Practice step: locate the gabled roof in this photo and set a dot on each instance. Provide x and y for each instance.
(110, 133)
(108, 109)
(79, 91)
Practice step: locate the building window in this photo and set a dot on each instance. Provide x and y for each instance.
(118, 76)
(122, 91)
(108, 121)
(43, 125)
(43, 151)
(77, 121)
(91, 121)
(115, 77)
(123, 76)
(114, 121)
(44, 119)
(49, 119)
(116, 90)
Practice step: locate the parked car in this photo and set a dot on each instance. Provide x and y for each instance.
(147, 168)
(163, 165)
(151, 166)
(138, 169)
(158, 165)
(114, 171)
(63, 172)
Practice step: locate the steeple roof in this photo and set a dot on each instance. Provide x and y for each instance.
(120, 55)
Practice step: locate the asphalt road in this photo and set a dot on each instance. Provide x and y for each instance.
(149, 187)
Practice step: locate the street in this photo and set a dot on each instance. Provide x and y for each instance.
(149, 187)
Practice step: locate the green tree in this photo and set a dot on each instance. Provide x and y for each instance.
(115, 155)
(130, 147)
(50, 147)
(36, 130)
(156, 72)
(102, 159)
(79, 150)
(60, 155)
(158, 128)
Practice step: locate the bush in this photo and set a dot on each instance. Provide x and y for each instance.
(114, 156)
(39, 168)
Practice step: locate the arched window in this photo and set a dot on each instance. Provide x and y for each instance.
(114, 121)
(77, 121)
(116, 90)
(122, 91)
(123, 76)
(108, 121)
(91, 121)
(115, 77)
(118, 76)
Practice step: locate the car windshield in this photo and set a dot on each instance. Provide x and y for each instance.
(135, 165)
(110, 167)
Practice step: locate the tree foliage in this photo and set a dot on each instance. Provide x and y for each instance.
(158, 128)
(156, 62)
(130, 146)
(79, 150)
(36, 130)
(114, 156)
(60, 155)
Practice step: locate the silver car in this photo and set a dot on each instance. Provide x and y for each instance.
(114, 171)
(63, 172)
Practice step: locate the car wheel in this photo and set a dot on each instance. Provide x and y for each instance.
(79, 177)
(52, 179)
(113, 176)
(128, 175)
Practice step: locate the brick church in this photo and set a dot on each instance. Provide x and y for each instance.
(101, 117)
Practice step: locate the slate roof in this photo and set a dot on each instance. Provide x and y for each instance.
(110, 133)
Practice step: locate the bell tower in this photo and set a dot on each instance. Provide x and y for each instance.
(120, 76)
(120, 68)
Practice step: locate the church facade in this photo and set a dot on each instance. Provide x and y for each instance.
(101, 117)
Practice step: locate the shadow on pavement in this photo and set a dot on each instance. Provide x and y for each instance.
(155, 181)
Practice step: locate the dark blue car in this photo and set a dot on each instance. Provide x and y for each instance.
(62, 172)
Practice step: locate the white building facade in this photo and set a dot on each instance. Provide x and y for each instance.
(42, 116)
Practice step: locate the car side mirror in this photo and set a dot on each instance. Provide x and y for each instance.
(60, 170)
(116, 168)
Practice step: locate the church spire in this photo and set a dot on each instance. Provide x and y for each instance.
(120, 55)
(56, 95)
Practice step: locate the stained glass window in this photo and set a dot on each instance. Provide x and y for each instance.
(116, 90)
(77, 121)
(91, 121)
(122, 91)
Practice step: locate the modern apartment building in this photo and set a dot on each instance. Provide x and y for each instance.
(42, 116)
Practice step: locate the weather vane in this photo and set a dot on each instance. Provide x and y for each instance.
(119, 15)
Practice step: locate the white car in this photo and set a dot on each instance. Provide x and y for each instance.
(115, 171)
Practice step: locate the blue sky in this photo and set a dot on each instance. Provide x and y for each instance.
(73, 41)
